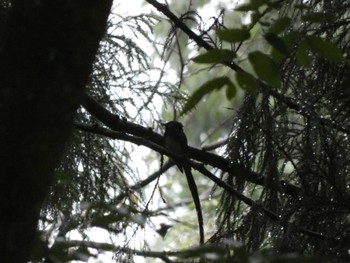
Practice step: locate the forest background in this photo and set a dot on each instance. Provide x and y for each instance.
(261, 87)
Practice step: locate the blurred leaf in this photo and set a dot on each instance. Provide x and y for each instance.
(277, 43)
(105, 220)
(230, 91)
(234, 35)
(133, 198)
(303, 56)
(247, 82)
(302, 7)
(265, 68)
(279, 25)
(216, 56)
(255, 17)
(291, 39)
(251, 6)
(324, 48)
(318, 17)
(206, 88)
(62, 177)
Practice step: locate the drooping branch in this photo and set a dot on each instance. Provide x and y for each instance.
(159, 148)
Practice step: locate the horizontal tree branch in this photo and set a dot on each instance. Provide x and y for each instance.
(153, 140)
(164, 255)
(199, 167)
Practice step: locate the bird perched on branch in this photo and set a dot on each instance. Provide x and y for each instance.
(175, 141)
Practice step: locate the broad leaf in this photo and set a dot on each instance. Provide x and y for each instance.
(277, 43)
(318, 17)
(247, 82)
(205, 89)
(230, 90)
(215, 56)
(279, 25)
(265, 68)
(324, 48)
(302, 55)
(234, 35)
(291, 39)
(251, 6)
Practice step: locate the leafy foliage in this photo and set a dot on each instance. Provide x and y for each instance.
(290, 131)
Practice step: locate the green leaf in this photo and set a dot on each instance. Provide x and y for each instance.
(247, 82)
(251, 6)
(265, 68)
(279, 25)
(291, 39)
(318, 17)
(277, 43)
(324, 48)
(230, 90)
(206, 88)
(215, 56)
(302, 55)
(234, 35)
(255, 17)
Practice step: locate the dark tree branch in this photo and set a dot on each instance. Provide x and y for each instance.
(123, 126)
(185, 254)
(199, 167)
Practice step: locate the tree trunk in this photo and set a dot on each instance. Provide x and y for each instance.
(46, 55)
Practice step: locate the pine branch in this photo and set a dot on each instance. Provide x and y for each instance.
(199, 167)
(153, 140)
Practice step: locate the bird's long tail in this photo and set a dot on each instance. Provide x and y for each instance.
(194, 191)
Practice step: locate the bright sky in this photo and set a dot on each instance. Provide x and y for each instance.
(135, 7)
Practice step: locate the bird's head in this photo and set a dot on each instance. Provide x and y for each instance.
(173, 125)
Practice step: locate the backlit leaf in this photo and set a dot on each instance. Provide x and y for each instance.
(277, 43)
(324, 48)
(216, 56)
(206, 88)
(302, 55)
(230, 90)
(265, 68)
(251, 6)
(247, 82)
(234, 35)
(279, 25)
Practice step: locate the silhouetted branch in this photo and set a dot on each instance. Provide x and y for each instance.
(145, 136)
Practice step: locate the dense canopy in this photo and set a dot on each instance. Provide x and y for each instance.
(261, 87)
